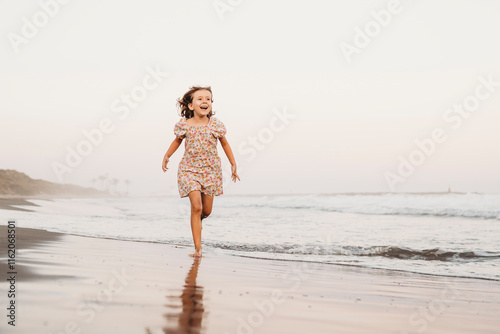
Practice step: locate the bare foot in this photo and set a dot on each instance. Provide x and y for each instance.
(197, 254)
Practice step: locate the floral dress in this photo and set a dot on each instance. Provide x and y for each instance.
(200, 167)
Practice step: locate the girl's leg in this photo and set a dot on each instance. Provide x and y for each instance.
(207, 201)
(196, 209)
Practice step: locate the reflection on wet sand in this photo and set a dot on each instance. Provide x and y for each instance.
(187, 320)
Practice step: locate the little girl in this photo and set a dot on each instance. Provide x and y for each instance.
(200, 173)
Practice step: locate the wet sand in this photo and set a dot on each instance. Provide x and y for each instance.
(72, 284)
(8, 203)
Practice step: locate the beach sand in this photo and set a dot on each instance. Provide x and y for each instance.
(73, 284)
(9, 202)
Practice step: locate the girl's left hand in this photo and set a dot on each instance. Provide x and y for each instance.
(234, 175)
(164, 164)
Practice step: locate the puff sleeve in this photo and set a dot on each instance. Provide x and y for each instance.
(217, 128)
(180, 128)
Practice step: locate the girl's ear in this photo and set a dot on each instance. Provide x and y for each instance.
(190, 106)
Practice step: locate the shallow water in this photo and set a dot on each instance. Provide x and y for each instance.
(438, 234)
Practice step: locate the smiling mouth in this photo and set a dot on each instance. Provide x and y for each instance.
(204, 107)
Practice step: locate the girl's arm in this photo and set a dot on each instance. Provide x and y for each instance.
(230, 156)
(171, 150)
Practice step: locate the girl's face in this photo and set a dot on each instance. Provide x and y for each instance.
(202, 103)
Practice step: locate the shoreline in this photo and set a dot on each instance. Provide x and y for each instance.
(357, 266)
(5, 204)
(93, 284)
(30, 203)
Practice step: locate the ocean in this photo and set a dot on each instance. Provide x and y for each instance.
(436, 234)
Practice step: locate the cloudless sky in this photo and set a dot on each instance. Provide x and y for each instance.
(350, 122)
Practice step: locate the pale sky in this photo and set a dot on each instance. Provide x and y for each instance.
(349, 123)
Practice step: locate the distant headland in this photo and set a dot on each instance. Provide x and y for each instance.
(16, 184)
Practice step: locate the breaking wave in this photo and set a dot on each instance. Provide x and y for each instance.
(392, 252)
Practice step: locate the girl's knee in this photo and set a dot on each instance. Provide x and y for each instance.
(196, 208)
(207, 211)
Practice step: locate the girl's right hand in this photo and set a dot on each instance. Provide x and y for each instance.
(234, 174)
(164, 164)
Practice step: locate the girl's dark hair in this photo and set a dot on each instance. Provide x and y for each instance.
(188, 98)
